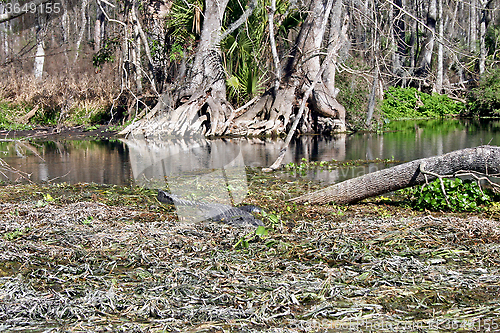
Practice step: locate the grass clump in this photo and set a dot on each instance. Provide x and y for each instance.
(87, 113)
(402, 103)
(9, 114)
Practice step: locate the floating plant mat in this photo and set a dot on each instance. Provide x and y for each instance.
(106, 258)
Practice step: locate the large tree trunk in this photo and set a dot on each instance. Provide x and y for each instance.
(482, 34)
(473, 25)
(483, 159)
(203, 107)
(310, 44)
(275, 111)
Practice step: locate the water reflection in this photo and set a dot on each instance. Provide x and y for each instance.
(144, 162)
(104, 162)
(154, 160)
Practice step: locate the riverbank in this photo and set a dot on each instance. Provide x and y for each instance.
(89, 257)
(94, 132)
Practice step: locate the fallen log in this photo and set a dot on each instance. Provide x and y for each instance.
(483, 160)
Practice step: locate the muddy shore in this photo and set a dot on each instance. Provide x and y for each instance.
(63, 133)
(92, 258)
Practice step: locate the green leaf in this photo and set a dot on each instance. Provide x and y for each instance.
(261, 231)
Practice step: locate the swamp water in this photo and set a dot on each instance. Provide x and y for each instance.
(222, 162)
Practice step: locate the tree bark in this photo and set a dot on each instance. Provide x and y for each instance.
(482, 32)
(335, 36)
(272, 40)
(39, 59)
(98, 30)
(428, 47)
(371, 98)
(473, 25)
(440, 53)
(483, 159)
(398, 28)
(82, 29)
(305, 61)
(275, 110)
(309, 42)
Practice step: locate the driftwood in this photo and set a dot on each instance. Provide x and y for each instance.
(484, 160)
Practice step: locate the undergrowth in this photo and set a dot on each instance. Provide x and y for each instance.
(458, 196)
(400, 103)
(72, 99)
(9, 115)
(484, 101)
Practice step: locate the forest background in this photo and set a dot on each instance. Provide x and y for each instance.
(97, 61)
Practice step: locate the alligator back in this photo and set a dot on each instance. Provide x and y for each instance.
(236, 216)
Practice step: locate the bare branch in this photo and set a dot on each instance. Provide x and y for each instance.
(237, 23)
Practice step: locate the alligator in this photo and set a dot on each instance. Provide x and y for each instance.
(235, 216)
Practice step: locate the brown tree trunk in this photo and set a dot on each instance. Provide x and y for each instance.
(203, 108)
(310, 45)
(275, 111)
(483, 159)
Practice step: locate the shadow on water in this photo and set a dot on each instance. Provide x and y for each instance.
(153, 164)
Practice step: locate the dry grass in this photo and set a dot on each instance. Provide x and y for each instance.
(77, 96)
(78, 265)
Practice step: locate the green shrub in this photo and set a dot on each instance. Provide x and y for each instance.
(437, 105)
(401, 103)
(463, 196)
(484, 101)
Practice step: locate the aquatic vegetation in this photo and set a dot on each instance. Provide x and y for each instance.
(305, 165)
